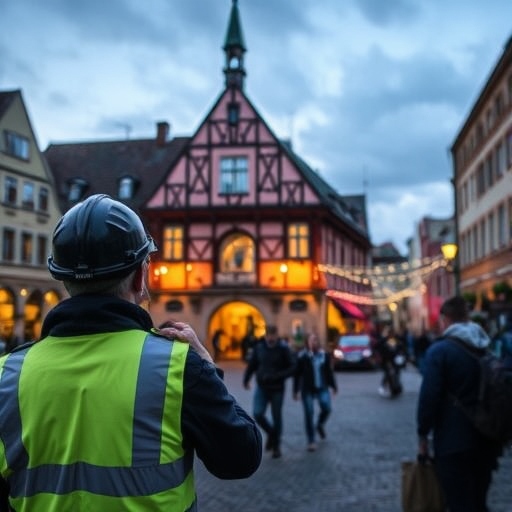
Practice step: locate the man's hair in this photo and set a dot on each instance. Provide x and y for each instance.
(455, 309)
(118, 286)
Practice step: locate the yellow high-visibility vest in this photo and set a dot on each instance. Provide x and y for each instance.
(93, 422)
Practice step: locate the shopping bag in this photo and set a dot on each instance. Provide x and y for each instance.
(421, 491)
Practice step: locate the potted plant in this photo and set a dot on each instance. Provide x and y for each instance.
(502, 291)
(470, 298)
(485, 302)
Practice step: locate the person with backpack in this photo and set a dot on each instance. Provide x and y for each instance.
(464, 458)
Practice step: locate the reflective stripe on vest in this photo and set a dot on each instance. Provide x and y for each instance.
(138, 480)
(10, 417)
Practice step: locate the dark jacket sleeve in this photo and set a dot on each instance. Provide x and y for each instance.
(298, 374)
(431, 394)
(330, 378)
(288, 364)
(252, 365)
(222, 434)
(4, 496)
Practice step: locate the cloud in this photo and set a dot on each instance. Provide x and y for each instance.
(371, 92)
(388, 13)
(401, 206)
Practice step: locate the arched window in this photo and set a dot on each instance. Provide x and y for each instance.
(237, 254)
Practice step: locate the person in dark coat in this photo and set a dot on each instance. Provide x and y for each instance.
(388, 346)
(463, 458)
(503, 342)
(314, 378)
(272, 361)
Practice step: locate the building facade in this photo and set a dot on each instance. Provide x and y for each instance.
(482, 178)
(29, 213)
(432, 275)
(241, 221)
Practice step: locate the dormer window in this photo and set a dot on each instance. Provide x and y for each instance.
(77, 188)
(126, 188)
(17, 145)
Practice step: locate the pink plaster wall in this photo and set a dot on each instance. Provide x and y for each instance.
(283, 171)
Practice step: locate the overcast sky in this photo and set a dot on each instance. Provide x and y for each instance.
(371, 92)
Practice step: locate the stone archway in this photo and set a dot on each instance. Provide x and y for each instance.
(238, 325)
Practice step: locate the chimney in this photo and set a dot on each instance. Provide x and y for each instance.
(162, 132)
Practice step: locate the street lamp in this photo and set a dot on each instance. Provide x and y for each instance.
(449, 250)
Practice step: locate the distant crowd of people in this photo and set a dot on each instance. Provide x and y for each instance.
(272, 362)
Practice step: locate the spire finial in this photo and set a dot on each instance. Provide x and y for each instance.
(234, 48)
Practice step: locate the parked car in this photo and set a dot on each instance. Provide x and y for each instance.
(354, 351)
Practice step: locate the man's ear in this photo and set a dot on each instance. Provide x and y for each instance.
(138, 281)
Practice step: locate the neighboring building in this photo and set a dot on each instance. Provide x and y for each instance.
(28, 214)
(387, 254)
(431, 275)
(390, 276)
(241, 221)
(482, 176)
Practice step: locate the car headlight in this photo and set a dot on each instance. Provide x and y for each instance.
(338, 354)
(367, 352)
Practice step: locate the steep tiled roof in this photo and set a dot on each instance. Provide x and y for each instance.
(102, 164)
(386, 250)
(350, 209)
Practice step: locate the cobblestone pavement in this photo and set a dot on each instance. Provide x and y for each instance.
(357, 468)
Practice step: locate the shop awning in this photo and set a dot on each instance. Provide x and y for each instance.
(348, 308)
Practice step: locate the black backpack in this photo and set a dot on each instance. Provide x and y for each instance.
(492, 413)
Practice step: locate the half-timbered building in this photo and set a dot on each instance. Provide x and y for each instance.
(241, 221)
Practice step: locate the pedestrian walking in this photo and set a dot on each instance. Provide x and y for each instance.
(105, 413)
(391, 352)
(314, 378)
(272, 361)
(464, 459)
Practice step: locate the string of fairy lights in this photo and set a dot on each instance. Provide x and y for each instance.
(389, 283)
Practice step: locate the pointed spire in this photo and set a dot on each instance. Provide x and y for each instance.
(234, 49)
(234, 35)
